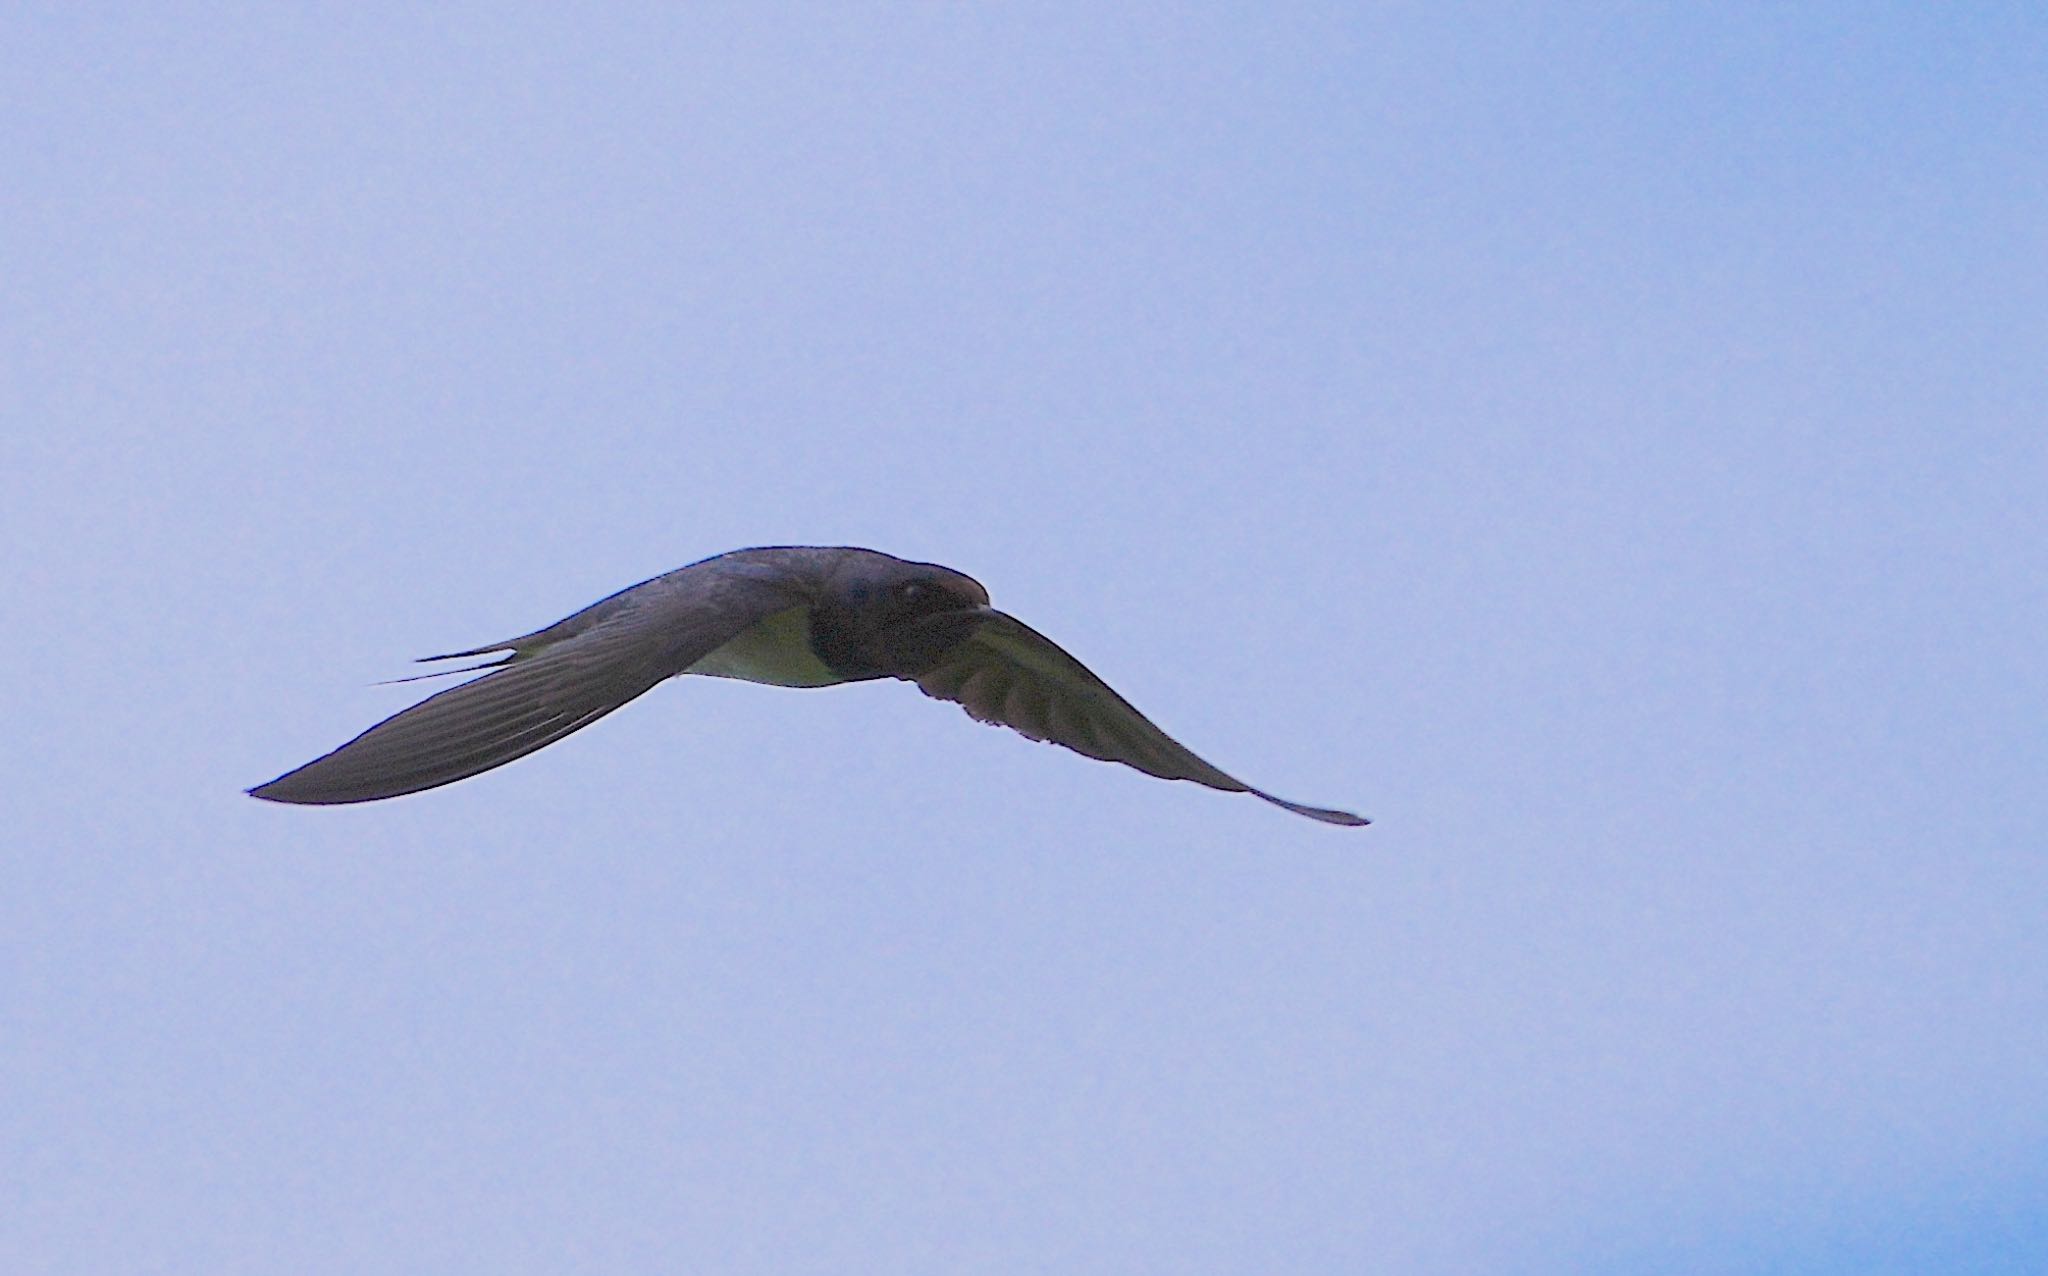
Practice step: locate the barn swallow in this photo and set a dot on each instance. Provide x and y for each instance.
(789, 617)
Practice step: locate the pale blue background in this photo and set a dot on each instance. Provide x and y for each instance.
(1605, 443)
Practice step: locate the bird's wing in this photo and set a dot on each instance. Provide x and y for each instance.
(1010, 674)
(536, 697)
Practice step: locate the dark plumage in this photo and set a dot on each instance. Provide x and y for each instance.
(794, 617)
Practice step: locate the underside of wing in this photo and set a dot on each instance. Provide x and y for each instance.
(1011, 675)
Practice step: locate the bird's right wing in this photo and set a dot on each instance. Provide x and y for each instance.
(537, 696)
(1009, 674)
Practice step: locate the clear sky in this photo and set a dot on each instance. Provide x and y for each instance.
(1603, 443)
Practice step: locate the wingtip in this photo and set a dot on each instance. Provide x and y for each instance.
(1321, 814)
(285, 793)
(268, 793)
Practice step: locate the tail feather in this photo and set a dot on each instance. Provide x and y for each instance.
(484, 650)
(499, 663)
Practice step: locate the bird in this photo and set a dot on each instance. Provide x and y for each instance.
(786, 616)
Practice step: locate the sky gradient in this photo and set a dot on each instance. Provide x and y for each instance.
(1602, 443)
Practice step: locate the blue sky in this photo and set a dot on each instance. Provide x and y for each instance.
(1602, 443)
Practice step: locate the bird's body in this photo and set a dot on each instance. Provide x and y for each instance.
(776, 651)
(792, 616)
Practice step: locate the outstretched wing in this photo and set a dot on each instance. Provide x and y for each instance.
(1010, 674)
(541, 693)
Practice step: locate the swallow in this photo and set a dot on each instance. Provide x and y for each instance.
(796, 616)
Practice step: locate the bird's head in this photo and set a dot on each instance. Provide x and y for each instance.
(886, 617)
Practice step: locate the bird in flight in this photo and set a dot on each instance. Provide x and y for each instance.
(789, 617)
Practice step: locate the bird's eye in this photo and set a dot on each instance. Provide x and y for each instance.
(911, 590)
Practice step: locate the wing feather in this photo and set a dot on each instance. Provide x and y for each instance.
(542, 693)
(1011, 675)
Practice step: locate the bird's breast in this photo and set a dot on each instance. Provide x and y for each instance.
(776, 651)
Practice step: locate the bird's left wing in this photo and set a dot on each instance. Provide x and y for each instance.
(1009, 674)
(650, 633)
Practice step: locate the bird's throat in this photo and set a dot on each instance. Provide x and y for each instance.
(854, 645)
